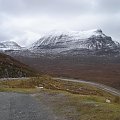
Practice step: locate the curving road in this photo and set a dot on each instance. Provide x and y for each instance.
(14, 106)
(98, 85)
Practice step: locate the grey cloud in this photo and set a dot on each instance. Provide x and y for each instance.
(108, 6)
(59, 6)
(18, 7)
(38, 16)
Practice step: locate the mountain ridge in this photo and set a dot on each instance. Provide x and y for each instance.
(9, 45)
(91, 42)
(60, 42)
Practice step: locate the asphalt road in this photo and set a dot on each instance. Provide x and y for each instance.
(98, 85)
(15, 106)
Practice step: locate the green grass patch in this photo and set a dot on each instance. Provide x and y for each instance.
(79, 107)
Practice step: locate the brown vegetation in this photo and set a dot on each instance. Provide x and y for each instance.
(105, 70)
(10, 67)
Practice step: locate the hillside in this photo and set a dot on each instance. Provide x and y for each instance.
(10, 67)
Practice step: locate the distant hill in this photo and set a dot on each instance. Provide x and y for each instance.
(10, 67)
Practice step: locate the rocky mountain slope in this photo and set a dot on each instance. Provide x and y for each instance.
(89, 42)
(10, 67)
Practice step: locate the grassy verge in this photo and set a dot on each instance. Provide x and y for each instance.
(19, 90)
(79, 107)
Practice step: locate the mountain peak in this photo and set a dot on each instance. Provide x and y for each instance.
(57, 42)
(57, 32)
(99, 30)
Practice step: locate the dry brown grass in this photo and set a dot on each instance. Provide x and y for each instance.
(99, 69)
(48, 83)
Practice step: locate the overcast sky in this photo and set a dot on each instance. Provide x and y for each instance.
(24, 21)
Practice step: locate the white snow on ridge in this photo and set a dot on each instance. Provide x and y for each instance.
(60, 41)
(80, 34)
(9, 45)
(53, 37)
(68, 37)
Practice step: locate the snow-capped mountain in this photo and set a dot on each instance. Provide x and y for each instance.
(9, 45)
(2, 45)
(68, 42)
(92, 42)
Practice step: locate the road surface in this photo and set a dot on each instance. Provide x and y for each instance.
(15, 106)
(98, 85)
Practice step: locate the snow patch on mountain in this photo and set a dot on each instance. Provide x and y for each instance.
(78, 34)
(9, 45)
